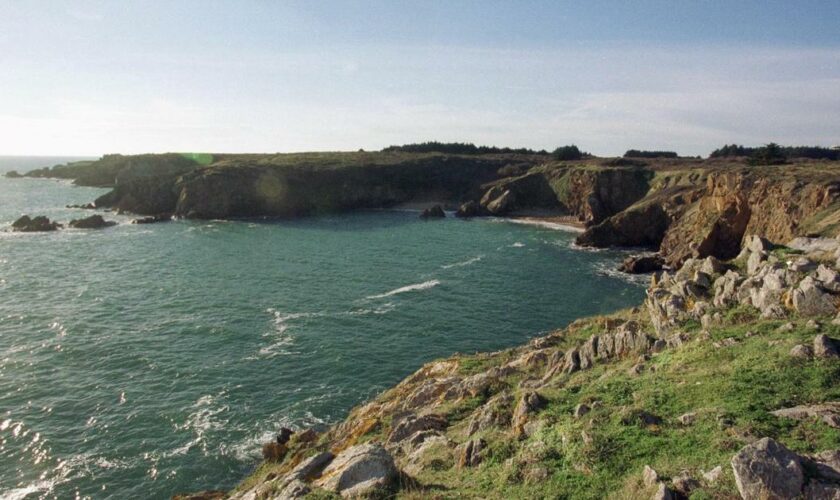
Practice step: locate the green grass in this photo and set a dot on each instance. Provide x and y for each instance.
(731, 389)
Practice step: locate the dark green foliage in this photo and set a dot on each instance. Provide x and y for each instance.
(812, 152)
(771, 154)
(635, 153)
(460, 148)
(567, 153)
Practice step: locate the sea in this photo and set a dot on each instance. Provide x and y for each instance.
(141, 361)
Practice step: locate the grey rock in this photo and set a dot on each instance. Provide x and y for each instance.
(360, 470)
(687, 418)
(766, 469)
(828, 278)
(649, 476)
(810, 300)
(713, 475)
(825, 347)
(802, 265)
(755, 243)
(802, 352)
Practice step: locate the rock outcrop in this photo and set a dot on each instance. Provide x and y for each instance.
(435, 212)
(25, 224)
(359, 471)
(92, 222)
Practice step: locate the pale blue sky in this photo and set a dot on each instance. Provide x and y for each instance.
(88, 77)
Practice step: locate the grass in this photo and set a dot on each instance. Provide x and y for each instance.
(731, 389)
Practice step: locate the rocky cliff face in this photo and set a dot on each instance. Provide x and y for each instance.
(228, 190)
(708, 212)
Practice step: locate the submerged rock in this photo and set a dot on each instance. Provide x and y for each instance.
(435, 212)
(92, 222)
(640, 264)
(470, 209)
(40, 223)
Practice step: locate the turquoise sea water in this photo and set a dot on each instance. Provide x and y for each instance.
(142, 361)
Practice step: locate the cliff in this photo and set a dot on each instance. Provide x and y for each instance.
(680, 207)
(723, 382)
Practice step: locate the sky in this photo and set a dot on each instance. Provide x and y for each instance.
(89, 77)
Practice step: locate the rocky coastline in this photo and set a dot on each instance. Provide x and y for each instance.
(680, 208)
(724, 383)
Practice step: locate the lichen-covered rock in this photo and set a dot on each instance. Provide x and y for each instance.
(766, 469)
(361, 470)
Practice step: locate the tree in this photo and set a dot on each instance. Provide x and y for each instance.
(770, 154)
(567, 153)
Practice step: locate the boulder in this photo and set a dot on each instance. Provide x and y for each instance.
(92, 222)
(755, 243)
(641, 264)
(802, 352)
(687, 418)
(435, 212)
(40, 223)
(825, 347)
(766, 469)
(362, 470)
(711, 266)
(810, 300)
(829, 278)
(470, 209)
(713, 475)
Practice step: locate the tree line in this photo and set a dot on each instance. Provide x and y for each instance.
(775, 153)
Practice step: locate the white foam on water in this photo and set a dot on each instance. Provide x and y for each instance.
(409, 288)
(518, 244)
(557, 226)
(464, 263)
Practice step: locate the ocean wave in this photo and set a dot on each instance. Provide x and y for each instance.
(408, 288)
(518, 244)
(464, 263)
